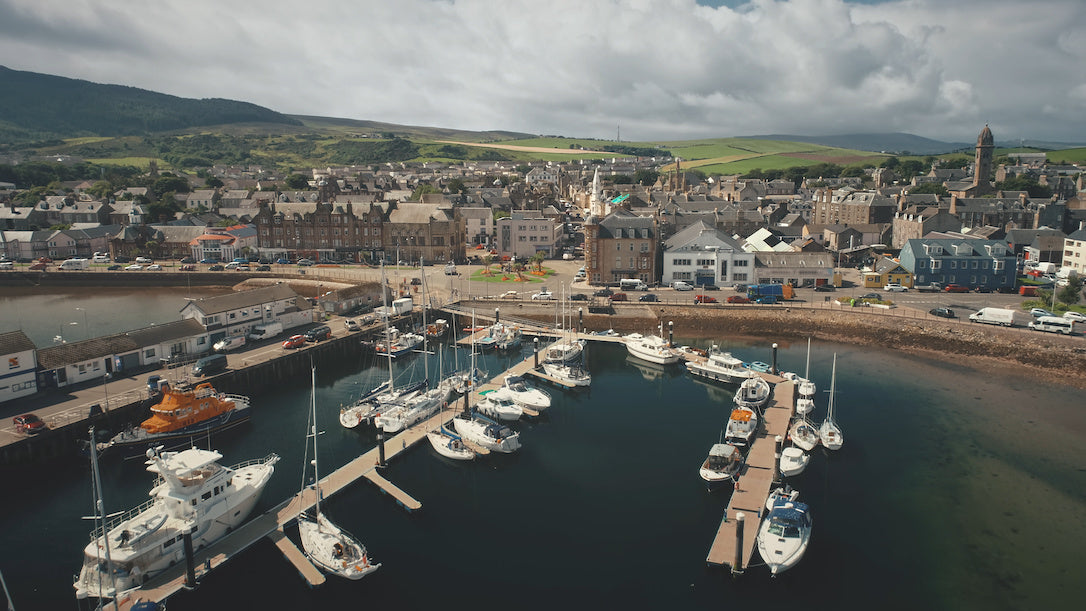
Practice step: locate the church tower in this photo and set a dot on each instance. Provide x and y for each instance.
(982, 165)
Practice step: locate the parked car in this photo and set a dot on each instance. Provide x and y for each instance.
(305, 262)
(113, 267)
(956, 288)
(1075, 316)
(209, 260)
(133, 267)
(648, 297)
(318, 333)
(282, 261)
(825, 288)
(509, 295)
(7, 265)
(764, 299)
(216, 268)
(1039, 312)
(44, 260)
(263, 268)
(874, 296)
(710, 287)
(351, 324)
(942, 312)
(704, 299)
(188, 267)
(679, 285)
(578, 297)
(738, 299)
(242, 268)
(122, 259)
(416, 281)
(28, 424)
(604, 292)
(982, 289)
(154, 268)
(894, 287)
(187, 260)
(144, 260)
(294, 341)
(543, 294)
(619, 297)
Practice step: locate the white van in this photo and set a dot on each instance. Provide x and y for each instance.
(679, 285)
(632, 284)
(229, 343)
(266, 331)
(1053, 324)
(71, 264)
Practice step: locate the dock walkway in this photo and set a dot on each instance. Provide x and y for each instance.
(755, 482)
(271, 523)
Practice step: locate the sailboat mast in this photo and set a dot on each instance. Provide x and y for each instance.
(100, 513)
(313, 432)
(807, 371)
(388, 335)
(833, 388)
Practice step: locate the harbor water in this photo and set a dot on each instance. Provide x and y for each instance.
(954, 490)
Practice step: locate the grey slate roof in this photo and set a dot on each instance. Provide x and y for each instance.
(243, 299)
(15, 341)
(54, 357)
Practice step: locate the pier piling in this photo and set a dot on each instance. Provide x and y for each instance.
(535, 354)
(190, 560)
(670, 333)
(737, 565)
(380, 446)
(773, 369)
(777, 458)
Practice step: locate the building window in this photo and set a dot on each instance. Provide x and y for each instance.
(149, 353)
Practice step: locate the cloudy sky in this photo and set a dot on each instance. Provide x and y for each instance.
(654, 69)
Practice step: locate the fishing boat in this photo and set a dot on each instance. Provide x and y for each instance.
(721, 465)
(719, 367)
(570, 375)
(753, 392)
(783, 535)
(651, 348)
(524, 394)
(397, 343)
(437, 329)
(449, 444)
(328, 546)
(182, 415)
(483, 431)
(192, 493)
(742, 424)
(830, 432)
(498, 406)
(793, 461)
(803, 434)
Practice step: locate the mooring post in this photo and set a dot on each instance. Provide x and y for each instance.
(670, 333)
(777, 458)
(737, 565)
(497, 316)
(190, 560)
(380, 446)
(535, 354)
(773, 369)
(580, 318)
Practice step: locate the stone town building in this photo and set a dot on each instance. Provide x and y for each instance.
(620, 245)
(321, 231)
(526, 232)
(972, 263)
(431, 232)
(1074, 251)
(701, 255)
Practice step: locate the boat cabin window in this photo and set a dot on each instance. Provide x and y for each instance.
(205, 496)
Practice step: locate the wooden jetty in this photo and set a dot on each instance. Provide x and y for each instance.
(754, 484)
(271, 523)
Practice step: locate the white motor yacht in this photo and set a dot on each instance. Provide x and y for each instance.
(753, 392)
(525, 394)
(719, 367)
(784, 535)
(651, 348)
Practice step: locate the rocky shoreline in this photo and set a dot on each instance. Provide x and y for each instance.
(991, 349)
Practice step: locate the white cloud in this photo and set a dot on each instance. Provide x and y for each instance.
(657, 68)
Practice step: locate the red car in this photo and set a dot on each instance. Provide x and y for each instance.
(956, 288)
(29, 424)
(619, 297)
(738, 299)
(294, 341)
(705, 299)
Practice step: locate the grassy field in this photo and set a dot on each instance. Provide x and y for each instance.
(1067, 156)
(139, 162)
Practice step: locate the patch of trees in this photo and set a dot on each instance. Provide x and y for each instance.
(40, 174)
(1021, 183)
(347, 152)
(639, 151)
(929, 187)
(203, 150)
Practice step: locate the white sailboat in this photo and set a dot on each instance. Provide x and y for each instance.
(803, 434)
(829, 432)
(805, 388)
(487, 433)
(385, 393)
(408, 411)
(449, 444)
(573, 375)
(327, 545)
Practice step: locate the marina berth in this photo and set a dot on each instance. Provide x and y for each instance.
(449, 444)
(569, 375)
(719, 367)
(783, 535)
(192, 493)
(753, 392)
(651, 348)
(793, 461)
(499, 406)
(183, 414)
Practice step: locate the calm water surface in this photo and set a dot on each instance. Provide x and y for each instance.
(952, 491)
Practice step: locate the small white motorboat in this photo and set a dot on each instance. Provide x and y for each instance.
(793, 461)
(783, 535)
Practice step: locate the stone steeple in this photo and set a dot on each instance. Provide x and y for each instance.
(982, 165)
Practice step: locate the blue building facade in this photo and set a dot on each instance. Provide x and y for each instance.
(988, 264)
